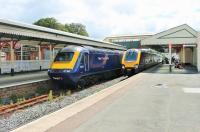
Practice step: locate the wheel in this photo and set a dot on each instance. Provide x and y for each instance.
(137, 70)
(81, 84)
(133, 72)
(94, 80)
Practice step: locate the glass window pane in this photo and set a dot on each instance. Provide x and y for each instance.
(131, 56)
(64, 56)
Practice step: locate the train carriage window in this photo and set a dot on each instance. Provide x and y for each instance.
(131, 56)
(64, 56)
(98, 59)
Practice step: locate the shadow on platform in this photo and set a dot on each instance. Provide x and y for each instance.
(164, 69)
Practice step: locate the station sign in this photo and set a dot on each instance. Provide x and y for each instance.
(33, 49)
(5, 49)
(45, 46)
(29, 49)
(24, 53)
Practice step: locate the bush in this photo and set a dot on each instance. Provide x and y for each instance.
(69, 92)
(41, 90)
(29, 95)
(50, 96)
(1, 101)
(13, 97)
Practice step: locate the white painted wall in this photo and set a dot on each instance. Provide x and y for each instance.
(195, 56)
(189, 55)
(198, 52)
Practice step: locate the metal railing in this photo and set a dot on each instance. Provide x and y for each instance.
(25, 65)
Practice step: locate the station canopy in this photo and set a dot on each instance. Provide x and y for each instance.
(11, 30)
(180, 35)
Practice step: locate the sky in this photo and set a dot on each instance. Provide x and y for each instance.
(108, 17)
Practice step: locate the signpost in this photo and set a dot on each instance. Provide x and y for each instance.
(170, 57)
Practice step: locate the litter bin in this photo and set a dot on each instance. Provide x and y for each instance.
(12, 72)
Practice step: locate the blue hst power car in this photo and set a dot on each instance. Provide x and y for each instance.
(81, 65)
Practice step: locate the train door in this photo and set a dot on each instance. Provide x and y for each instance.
(86, 58)
(143, 60)
(84, 64)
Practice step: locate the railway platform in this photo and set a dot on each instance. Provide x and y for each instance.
(164, 69)
(7, 80)
(149, 101)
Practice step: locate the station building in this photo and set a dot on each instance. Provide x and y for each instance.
(185, 42)
(127, 41)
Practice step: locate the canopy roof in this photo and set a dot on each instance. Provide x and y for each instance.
(182, 34)
(21, 31)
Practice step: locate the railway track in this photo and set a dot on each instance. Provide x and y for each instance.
(18, 106)
(7, 110)
(11, 118)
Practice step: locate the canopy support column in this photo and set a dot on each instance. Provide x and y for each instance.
(53, 53)
(12, 57)
(183, 54)
(21, 52)
(11, 51)
(50, 49)
(39, 52)
(170, 57)
(0, 60)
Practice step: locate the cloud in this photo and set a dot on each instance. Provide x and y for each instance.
(107, 17)
(28, 10)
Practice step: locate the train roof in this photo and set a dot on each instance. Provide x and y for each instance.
(151, 51)
(73, 48)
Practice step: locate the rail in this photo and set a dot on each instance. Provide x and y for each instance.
(23, 104)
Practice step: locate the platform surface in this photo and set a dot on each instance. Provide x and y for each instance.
(7, 80)
(157, 103)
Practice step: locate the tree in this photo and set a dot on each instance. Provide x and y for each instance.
(77, 28)
(51, 22)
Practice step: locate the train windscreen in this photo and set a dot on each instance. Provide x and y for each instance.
(131, 56)
(64, 56)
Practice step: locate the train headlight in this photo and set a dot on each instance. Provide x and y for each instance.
(123, 67)
(136, 66)
(66, 71)
(49, 70)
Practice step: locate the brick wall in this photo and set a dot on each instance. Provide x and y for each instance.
(23, 89)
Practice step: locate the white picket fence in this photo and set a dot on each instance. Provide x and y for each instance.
(25, 65)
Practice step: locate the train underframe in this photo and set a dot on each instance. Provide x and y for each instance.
(94, 78)
(80, 81)
(129, 71)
